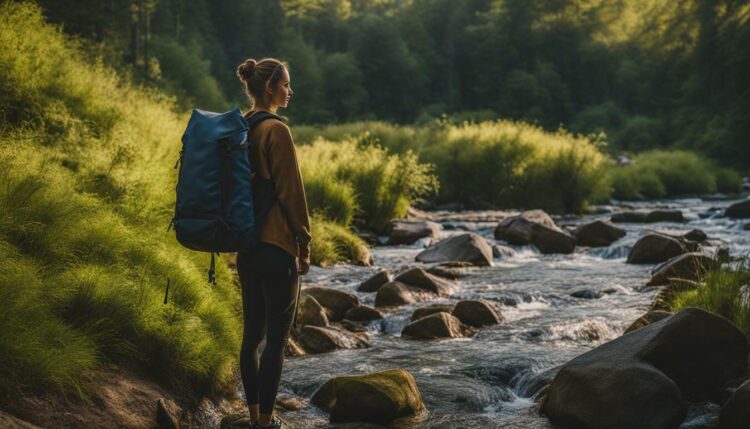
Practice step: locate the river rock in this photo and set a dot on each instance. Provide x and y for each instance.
(647, 319)
(293, 348)
(438, 325)
(316, 339)
(375, 282)
(695, 235)
(379, 397)
(655, 248)
(502, 252)
(396, 293)
(549, 240)
(167, 414)
(599, 233)
(740, 210)
(363, 313)
(432, 309)
(310, 312)
(445, 272)
(689, 266)
(476, 313)
(409, 231)
(642, 378)
(335, 302)
(517, 230)
(735, 414)
(470, 248)
(420, 278)
(746, 227)
(587, 294)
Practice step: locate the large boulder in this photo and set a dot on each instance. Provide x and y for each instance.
(363, 313)
(310, 312)
(470, 248)
(647, 319)
(438, 325)
(375, 282)
(517, 230)
(642, 379)
(409, 231)
(599, 233)
(736, 412)
(740, 210)
(396, 293)
(476, 313)
(316, 339)
(688, 266)
(379, 397)
(431, 309)
(655, 248)
(335, 302)
(420, 278)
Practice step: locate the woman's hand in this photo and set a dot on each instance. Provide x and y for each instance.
(304, 266)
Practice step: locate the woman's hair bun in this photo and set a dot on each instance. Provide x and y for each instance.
(245, 70)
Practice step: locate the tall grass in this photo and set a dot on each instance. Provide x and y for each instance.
(665, 173)
(356, 182)
(493, 163)
(726, 292)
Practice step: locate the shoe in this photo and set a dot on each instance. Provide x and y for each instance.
(276, 423)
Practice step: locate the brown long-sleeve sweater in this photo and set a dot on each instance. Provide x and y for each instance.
(274, 157)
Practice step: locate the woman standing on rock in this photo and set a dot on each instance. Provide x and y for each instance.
(269, 273)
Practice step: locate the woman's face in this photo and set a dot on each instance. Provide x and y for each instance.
(283, 90)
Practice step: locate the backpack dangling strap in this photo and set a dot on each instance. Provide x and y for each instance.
(166, 291)
(212, 270)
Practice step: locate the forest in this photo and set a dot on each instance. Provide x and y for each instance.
(647, 73)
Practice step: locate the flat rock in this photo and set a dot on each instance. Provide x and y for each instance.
(363, 313)
(476, 313)
(470, 248)
(335, 302)
(655, 248)
(432, 309)
(740, 210)
(437, 325)
(316, 339)
(409, 231)
(379, 397)
(418, 277)
(516, 230)
(599, 233)
(375, 282)
(396, 293)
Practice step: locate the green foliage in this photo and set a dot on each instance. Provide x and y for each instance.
(87, 191)
(493, 163)
(333, 242)
(660, 174)
(722, 294)
(356, 181)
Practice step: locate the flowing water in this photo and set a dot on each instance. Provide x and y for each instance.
(480, 382)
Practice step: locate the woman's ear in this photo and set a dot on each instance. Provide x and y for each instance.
(269, 90)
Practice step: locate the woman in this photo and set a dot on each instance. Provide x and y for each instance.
(269, 273)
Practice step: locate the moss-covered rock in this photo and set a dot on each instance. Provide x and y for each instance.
(379, 397)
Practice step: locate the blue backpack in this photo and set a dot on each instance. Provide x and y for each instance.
(220, 202)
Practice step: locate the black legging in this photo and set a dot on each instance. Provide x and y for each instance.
(268, 276)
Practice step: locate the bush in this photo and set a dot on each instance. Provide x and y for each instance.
(333, 242)
(660, 174)
(499, 164)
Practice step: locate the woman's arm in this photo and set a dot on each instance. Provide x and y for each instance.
(290, 190)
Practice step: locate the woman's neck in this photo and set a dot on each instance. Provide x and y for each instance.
(259, 107)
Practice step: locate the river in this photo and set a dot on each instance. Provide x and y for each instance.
(478, 382)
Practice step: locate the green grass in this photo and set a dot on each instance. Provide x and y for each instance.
(722, 295)
(674, 173)
(492, 164)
